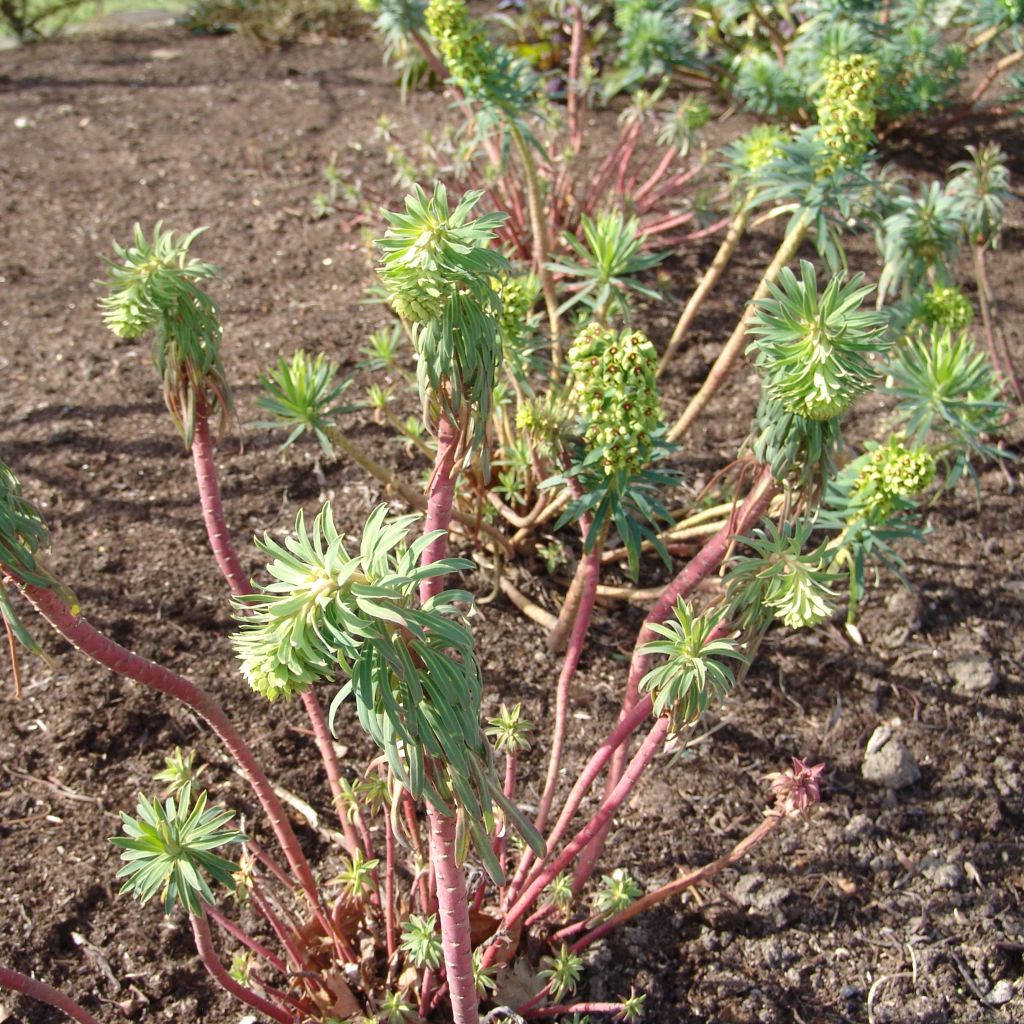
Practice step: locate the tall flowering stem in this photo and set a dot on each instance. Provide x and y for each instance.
(210, 960)
(213, 508)
(452, 894)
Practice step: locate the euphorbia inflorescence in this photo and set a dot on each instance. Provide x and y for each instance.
(945, 307)
(614, 387)
(891, 474)
(847, 110)
(781, 580)
(439, 274)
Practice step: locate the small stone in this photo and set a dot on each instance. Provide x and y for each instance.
(888, 761)
(946, 876)
(860, 826)
(760, 896)
(973, 673)
(1002, 992)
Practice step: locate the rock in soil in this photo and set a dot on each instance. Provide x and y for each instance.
(973, 673)
(888, 760)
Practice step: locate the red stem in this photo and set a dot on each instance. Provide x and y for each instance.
(452, 898)
(591, 564)
(568, 1009)
(605, 812)
(705, 562)
(213, 509)
(682, 883)
(453, 909)
(106, 652)
(656, 174)
(208, 955)
(18, 982)
(230, 566)
(247, 940)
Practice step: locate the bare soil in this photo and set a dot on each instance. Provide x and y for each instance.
(887, 906)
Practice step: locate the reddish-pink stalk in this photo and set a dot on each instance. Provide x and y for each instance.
(658, 227)
(43, 993)
(453, 910)
(686, 881)
(389, 886)
(325, 744)
(705, 562)
(270, 863)
(509, 789)
(213, 509)
(452, 898)
(239, 933)
(285, 933)
(603, 816)
(626, 156)
(426, 992)
(113, 656)
(231, 568)
(657, 174)
(575, 99)
(592, 770)
(567, 1009)
(667, 187)
(208, 955)
(591, 563)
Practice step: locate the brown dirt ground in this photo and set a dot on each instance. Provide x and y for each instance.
(899, 907)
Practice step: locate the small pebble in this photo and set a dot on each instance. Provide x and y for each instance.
(888, 761)
(1002, 992)
(973, 673)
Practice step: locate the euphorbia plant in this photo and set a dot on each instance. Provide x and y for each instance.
(405, 925)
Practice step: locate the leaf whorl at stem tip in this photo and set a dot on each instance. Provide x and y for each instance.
(413, 670)
(152, 285)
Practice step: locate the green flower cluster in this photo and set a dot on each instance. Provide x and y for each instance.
(153, 285)
(945, 307)
(467, 53)
(430, 253)
(543, 418)
(327, 607)
(756, 150)
(518, 296)
(847, 110)
(891, 474)
(413, 671)
(614, 387)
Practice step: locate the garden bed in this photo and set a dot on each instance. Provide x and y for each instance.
(886, 906)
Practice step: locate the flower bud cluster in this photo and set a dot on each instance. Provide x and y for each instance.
(463, 44)
(518, 296)
(893, 474)
(847, 110)
(758, 148)
(946, 307)
(543, 418)
(614, 388)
